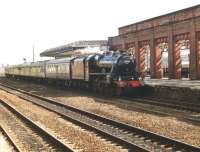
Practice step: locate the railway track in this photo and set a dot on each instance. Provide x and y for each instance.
(183, 106)
(187, 112)
(131, 104)
(35, 137)
(10, 140)
(130, 137)
(189, 107)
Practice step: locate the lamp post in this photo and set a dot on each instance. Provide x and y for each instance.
(33, 53)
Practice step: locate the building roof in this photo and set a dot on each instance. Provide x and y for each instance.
(67, 49)
(162, 19)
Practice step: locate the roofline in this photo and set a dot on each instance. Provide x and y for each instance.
(168, 14)
(53, 52)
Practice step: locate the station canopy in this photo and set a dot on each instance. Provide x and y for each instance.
(76, 48)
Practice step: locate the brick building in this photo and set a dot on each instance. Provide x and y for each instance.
(172, 33)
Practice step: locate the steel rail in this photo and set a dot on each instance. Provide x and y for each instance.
(10, 140)
(175, 144)
(37, 128)
(192, 119)
(161, 102)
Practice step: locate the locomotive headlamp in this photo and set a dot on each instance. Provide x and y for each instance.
(120, 78)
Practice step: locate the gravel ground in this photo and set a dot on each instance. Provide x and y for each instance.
(76, 137)
(25, 138)
(164, 125)
(4, 144)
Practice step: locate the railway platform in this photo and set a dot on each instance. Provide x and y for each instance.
(183, 90)
(184, 83)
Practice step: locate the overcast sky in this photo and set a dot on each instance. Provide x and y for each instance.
(50, 23)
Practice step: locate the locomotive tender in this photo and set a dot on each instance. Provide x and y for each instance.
(111, 73)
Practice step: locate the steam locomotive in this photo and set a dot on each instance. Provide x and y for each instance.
(110, 73)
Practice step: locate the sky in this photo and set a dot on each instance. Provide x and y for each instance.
(50, 23)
